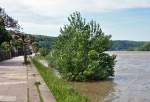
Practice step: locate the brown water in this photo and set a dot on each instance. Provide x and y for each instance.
(130, 84)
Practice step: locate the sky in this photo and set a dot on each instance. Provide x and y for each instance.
(123, 19)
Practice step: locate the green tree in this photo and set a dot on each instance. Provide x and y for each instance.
(80, 51)
(24, 41)
(145, 47)
(6, 22)
(35, 47)
(43, 51)
(7, 46)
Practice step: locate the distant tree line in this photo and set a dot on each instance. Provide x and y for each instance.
(116, 45)
(45, 41)
(144, 47)
(125, 45)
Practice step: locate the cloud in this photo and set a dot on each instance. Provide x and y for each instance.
(44, 29)
(60, 7)
(54, 12)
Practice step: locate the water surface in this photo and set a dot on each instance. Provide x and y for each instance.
(130, 84)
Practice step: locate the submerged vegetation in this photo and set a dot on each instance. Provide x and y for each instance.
(62, 90)
(79, 52)
(43, 51)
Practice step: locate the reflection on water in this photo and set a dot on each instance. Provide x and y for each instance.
(96, 91)
(131, 82)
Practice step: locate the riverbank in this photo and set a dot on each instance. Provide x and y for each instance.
(130, 84)
(62, 90)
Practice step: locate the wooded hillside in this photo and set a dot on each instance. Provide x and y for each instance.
(117, 45)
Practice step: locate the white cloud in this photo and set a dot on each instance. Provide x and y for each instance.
(62, 7)
(44, 29)
(55, 11)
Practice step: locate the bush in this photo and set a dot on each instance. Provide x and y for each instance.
(80, 51)
(43, 51)
(62, 90)
(51, 59)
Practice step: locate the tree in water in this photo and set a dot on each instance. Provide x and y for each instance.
(80, 51)
(43, 51)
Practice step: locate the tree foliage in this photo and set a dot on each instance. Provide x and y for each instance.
(145, 47)
(45, 41)
(80, 51)
(124, 45)
(43, 51)
(6, 22)
(35, 47)
(6, 46)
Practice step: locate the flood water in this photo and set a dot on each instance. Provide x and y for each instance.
(130, 84)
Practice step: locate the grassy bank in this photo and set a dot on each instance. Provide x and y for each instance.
(62, 91)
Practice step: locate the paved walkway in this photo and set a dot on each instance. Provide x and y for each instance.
(17, 83)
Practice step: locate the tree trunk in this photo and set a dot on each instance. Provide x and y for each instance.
(25, 55)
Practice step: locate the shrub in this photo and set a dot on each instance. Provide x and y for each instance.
(62, 90)
(80, 51)
(43, 51)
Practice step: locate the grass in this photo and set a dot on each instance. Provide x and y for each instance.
(40, 57)
(62, 90)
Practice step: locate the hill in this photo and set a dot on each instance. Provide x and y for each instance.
(117, 45)
(124, 45)
(45, 41)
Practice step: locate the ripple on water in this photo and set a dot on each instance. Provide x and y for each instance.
(131, 82)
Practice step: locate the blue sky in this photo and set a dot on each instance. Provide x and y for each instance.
(125, 24)
(123, 19)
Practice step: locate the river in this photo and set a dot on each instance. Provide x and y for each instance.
(130, 84)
